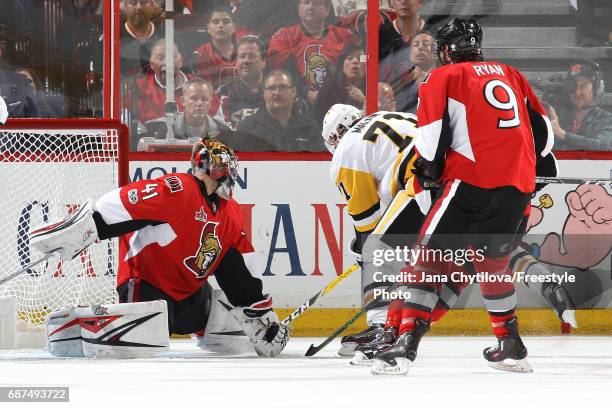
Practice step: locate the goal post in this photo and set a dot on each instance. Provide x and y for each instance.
(48, 167)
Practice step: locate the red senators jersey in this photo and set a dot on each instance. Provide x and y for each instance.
(212, 66)
(152, 99)
(477, 117)
(313, 58)
(186, 235)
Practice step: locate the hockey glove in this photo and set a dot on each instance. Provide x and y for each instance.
(260, 323)
(422, 173)
(68, 236)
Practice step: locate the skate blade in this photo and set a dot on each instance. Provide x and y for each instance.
(515, 366)
(569, 316)
(347, 349)
(380, 367)
(360, 359)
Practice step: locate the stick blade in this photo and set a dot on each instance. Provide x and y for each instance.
(312, 350)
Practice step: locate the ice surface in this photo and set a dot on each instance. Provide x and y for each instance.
(449, 372)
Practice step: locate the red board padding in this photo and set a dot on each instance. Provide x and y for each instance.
(583, 155)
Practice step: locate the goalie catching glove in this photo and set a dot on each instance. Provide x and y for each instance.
(260, 323)
(68, 236)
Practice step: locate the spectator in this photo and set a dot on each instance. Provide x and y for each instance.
(243, 96)
(151, 87)
(14, 89)
(216, 60)
(394, 49)
(589, 126)
(346, 87)
(421, 55)
(278, 127)
(137, 36)
(195, 122)
(386, 98)
(46, 107)
(311, 48)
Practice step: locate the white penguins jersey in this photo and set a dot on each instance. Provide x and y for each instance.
(372, 163)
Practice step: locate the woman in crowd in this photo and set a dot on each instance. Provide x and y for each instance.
(347, 86)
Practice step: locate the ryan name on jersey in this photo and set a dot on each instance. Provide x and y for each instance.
(488, 69)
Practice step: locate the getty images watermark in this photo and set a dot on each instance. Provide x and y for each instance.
(458, 257)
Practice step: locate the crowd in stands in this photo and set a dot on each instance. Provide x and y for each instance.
(276, 67)
(264, 72)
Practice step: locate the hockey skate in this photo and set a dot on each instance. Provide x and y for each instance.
(364, 353)
(396, 359)
(510, 354)
(351, 341)
(558, 297)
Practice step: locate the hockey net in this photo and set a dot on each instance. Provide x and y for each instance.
(48, 167)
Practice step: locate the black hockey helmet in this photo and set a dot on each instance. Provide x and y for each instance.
(463, 37)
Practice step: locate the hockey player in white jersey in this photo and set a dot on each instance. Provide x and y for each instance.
(372, 160)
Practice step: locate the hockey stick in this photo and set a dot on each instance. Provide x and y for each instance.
(312, 350)
(306, 305)
(569, 180)
(25, 268)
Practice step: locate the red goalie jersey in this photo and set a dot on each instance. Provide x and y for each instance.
(184, 235)
(477, 117)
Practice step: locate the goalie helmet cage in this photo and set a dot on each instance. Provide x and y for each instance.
(47, 168)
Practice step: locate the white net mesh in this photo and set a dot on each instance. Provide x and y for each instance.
(45, 174)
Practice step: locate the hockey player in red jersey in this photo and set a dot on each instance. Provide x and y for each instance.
(476, 141)
(177, 231)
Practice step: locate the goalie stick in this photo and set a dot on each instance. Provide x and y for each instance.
(312, 350)
(570, 180)
(25, 268)
(306, 305)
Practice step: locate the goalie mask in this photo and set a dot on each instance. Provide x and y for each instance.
(337, 121)
(217, 160)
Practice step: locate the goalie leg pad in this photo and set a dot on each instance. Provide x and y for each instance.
(125, 330)
(64, 333)
(69, 236)
(223, 333)
(261, 325)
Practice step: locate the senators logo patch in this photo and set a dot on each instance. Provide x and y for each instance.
(206, 255)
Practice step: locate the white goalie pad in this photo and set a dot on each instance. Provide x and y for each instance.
(223, 333)
(64, 334)
(125, 330)
(68, 236)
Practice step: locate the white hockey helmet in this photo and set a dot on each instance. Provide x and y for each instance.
(338, 119)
